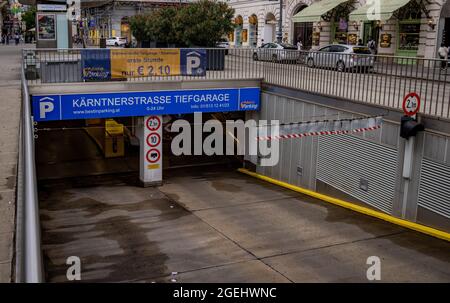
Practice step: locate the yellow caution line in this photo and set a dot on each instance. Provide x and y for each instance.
(361, 209)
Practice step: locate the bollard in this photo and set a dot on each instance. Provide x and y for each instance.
(102, 42)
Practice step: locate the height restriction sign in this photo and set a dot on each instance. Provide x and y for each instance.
(411, 104)
(151, 151)
(153, 123)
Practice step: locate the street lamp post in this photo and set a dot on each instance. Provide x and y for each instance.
(280, 24)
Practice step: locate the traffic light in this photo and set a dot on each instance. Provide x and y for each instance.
(410, 127)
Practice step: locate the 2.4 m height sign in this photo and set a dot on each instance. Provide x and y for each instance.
(411, 104)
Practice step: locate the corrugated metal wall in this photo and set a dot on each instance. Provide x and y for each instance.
(298, 157)
(366, 166)
(362, 169)
(434, 188)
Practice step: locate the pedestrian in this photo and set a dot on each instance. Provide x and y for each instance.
(17, 38)
(299, 45)
(443, 55)
(372, 45)
(360, 42)
(7, 39)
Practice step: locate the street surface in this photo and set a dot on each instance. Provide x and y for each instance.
(216, 225)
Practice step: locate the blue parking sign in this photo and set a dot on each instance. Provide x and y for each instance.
(47, 108)
(193, 62)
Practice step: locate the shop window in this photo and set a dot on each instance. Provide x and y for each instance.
(409, 34)
(244, 35)
(231, 37)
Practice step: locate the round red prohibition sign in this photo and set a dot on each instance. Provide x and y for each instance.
(153, 123)
(411, 104)
(153, 155)
(153, 139)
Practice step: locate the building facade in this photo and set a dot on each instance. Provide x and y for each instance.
(111, 18)
(400, 27)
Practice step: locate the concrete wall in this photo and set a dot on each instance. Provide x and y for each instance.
(336, 165)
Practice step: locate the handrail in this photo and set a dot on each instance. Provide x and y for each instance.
(29, 264)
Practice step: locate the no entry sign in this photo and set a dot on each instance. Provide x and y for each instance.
(411, 104)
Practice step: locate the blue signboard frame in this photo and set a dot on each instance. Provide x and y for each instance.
(135, 104)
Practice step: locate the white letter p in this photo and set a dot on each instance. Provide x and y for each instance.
(192, 63)
(44, 108)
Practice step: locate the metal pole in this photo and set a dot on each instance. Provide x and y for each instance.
(280, 24)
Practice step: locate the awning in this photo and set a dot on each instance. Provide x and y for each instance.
(373, 12)
(315, 11)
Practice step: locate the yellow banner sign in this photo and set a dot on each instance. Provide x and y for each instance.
(129, 63)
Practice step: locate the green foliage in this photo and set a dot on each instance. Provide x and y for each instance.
(202, 23)
(138, 27)
(30, 18)
(163, 25)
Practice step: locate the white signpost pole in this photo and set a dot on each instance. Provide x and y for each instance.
(151, 151)
(411, 106)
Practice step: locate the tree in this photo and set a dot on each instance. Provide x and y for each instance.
(163, 26)
(204, 23)
(30, 18)
(156, 26)
(138, 27)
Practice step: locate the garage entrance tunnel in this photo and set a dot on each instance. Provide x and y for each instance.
(103, 133)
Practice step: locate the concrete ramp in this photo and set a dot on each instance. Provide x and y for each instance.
(222, 226)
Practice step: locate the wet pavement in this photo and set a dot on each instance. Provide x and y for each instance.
(217, 225)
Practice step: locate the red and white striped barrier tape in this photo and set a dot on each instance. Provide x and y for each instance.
(322, 133)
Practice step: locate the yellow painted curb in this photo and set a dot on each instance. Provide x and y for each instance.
(361, 209)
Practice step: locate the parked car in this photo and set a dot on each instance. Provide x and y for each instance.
(116, 41)
(341, 57)
(224, 44)
(276, 52)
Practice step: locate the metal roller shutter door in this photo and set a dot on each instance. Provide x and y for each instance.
(434, 187)
(343, 161)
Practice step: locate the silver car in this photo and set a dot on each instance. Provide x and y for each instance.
(341, 57)
(276, 52)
